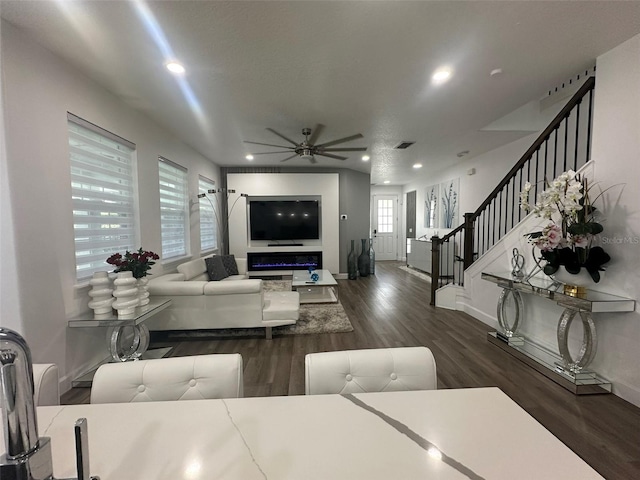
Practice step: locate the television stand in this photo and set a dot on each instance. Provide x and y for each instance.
(285, 245)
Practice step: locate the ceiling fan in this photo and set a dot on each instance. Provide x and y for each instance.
(307, 149)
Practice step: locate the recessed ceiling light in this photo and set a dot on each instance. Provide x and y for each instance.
(441, 75)
(249, 157)
(417, 165)
(496, 71)
(365, 158)
(174, 67)
(387, 181)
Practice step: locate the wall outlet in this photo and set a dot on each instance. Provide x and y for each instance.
(343, 216)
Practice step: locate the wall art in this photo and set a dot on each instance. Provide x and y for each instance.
(431, 202)
(450, 203)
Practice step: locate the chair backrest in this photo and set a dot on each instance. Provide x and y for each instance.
(180, 378)
(46, 386)
(374, 370)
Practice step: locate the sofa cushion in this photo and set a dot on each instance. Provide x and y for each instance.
(192, 269)
(229, 262)
(215, 268)
(281, 306)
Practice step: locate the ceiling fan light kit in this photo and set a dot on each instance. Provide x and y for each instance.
(308, 149)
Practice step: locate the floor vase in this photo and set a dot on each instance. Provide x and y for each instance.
(126, 294)
(372, 258)
(364, 262)
(352, 263)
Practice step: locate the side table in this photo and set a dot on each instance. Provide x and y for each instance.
(122, 347)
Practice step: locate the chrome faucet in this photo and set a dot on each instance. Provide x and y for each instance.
(27, 457)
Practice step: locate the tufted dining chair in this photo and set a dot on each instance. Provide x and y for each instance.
(46, 388)
(372, 370)
(180, 378)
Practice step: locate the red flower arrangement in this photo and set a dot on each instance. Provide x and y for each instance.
(137, 262)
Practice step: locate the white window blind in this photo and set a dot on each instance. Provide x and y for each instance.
(208, 224)
(173, 208)
(102, 190)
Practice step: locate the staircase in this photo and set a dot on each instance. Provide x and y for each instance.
(565, 144)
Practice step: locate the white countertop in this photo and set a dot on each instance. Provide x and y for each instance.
(481, 433)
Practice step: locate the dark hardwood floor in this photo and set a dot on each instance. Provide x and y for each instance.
(391, 309)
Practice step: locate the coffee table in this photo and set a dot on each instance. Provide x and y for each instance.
(324, 290)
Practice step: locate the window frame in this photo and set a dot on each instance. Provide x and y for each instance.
(208, 218)
(103, 183)
(176, 201)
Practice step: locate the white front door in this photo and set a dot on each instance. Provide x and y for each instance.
(385, 226)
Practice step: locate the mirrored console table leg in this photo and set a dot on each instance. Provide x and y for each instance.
(510, 330)
(589, 340)
(124, 348)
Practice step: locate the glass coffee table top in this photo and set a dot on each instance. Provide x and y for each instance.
(324, 290)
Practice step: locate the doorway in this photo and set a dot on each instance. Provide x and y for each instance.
(385, 226)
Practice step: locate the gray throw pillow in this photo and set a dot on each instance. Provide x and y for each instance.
(215, 268)
(230, 265)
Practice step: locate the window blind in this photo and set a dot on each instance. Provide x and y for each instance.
(208, 224)
(173, 208)
(103, 195)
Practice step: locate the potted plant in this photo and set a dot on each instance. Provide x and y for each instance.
(567, 240)
(138, 263)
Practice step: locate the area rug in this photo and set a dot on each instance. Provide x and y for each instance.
(416, 273)
(314, 318)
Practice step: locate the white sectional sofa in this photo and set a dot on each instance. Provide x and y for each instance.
(235, 302)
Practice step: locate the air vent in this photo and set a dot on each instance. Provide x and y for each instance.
(404, 145)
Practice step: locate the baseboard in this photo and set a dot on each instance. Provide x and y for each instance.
(626, 392)
(480, 315)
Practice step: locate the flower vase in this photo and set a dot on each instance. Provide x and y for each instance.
(575, 284)
(126, 294)
(352, 263)
(143, 291)
(372, 258)
(101, 295)
(364, 262)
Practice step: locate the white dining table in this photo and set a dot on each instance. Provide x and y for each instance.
(477, 433)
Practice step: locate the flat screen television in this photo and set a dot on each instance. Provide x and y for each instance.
(284, 220)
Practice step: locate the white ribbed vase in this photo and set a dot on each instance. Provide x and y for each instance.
(126, 294)
(101, 294)
(143, 291)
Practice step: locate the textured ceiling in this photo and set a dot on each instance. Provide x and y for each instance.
(356, 67)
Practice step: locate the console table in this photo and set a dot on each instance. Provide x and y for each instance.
(122, 347)
(563, 368)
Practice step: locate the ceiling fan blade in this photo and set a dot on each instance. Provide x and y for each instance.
(315, 133)
(356, 149)
(267, 144)
(289, 158)
(341, 140)
(282, 136)
(267, 153)
(330, 155)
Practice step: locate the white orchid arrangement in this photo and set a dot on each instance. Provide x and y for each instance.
(567, 239)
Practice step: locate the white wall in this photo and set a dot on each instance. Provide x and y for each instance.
(39, 89)
(324, 185)
(616, 150)
(489, 167)
(10, 316)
